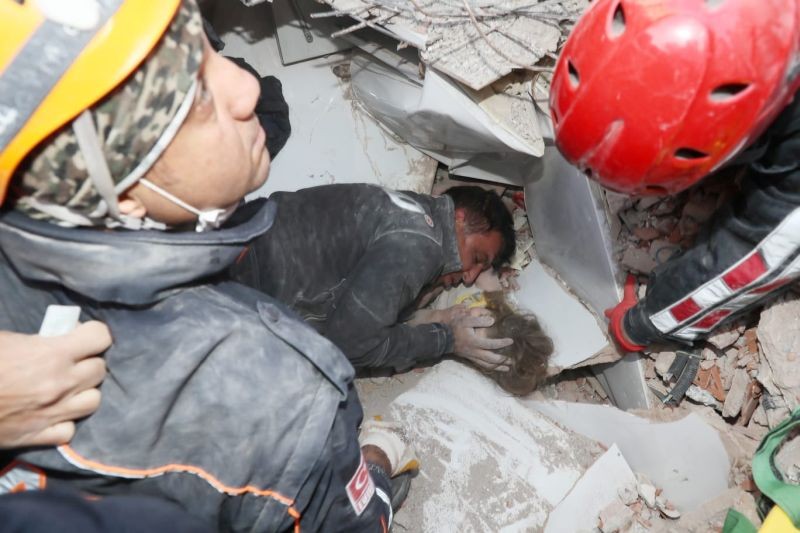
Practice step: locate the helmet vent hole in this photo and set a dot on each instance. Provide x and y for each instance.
(618, 21)
(574, 77)
(689, 153)
(728, 91)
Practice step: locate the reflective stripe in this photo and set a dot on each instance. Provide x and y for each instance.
(385, 498)
(38, 67)
(746, 272)
(773, 263)
(18, 477)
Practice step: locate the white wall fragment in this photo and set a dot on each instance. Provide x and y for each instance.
(599, 487)
(686, 458)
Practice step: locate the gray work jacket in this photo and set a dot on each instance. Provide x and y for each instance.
(215, 395)
(351, 259)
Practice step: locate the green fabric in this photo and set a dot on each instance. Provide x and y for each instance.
(736, 522)
(768, 478)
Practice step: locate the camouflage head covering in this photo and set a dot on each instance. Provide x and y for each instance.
(131, 122)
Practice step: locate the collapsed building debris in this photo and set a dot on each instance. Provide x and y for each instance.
(648, 231)
(746, 380)
(476, 43)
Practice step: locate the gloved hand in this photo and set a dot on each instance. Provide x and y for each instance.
(389, 437)
(475, 348)
(616, 316)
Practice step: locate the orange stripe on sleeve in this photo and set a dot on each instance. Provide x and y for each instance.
(75, 458)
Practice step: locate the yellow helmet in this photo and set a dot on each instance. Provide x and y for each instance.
(60, 57)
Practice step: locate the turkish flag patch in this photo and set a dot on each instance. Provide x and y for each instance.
(360, 488)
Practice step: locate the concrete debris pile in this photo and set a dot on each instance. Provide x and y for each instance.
(748, 372)
(637, 509)
(648, 231)
(474, 42)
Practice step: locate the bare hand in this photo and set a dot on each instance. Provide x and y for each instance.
(48, 382)
(469, 345)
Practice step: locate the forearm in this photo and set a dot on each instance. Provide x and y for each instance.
(397, 347)
(749, 253)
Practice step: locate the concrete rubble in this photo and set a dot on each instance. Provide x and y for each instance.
(476, 43)
(648, 231)
(748, 379)
(492, 462)
(740, 362)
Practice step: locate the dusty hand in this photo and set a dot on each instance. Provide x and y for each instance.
(469, 345)
(47, 382)
(447, 316)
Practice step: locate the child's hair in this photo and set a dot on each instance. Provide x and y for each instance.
(530, 352)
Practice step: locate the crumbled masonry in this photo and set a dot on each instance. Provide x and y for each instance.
(749, 375)
(473, 42)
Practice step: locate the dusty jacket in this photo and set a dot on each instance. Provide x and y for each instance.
(210, 383)
(351, 259)
(749, 252)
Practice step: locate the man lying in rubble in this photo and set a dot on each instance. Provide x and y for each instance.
(216, 397)
(710, 109)
(353, 260)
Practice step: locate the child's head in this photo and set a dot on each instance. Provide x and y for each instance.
(530, 352)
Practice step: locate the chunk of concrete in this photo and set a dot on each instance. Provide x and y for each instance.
(726, 336)
(599, 487)
(615, 517)
(779, 337)
(689, 478)
(737, 393)
(488, 462)
(664, 360)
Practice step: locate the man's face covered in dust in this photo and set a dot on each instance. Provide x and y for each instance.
(219, 153)
(477, 251)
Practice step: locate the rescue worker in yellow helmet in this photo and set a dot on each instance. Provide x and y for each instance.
(117, 121)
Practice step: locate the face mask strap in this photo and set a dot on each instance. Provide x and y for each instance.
(206, 220)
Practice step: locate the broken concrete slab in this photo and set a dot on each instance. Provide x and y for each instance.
(779, 337)
(460, 129)
(615, 517)
(574, 330)
(598, 488)
(726, 335)
(479, 54)
(737, 394)
(474, 44)
(489, 463)
(698, 473)
(663, 361)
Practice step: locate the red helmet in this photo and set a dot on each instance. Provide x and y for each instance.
(649, 96)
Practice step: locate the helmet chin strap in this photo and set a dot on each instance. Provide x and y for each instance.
(96, 165)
